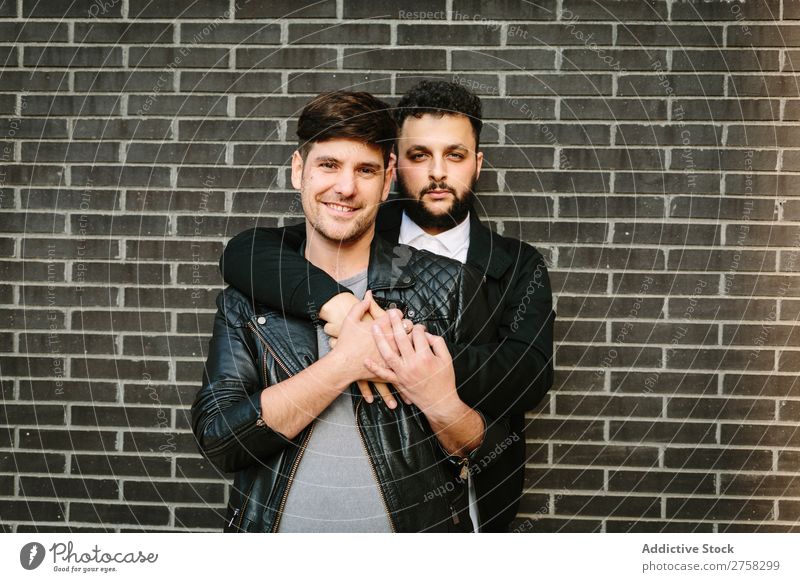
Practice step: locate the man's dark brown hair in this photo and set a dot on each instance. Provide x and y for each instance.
(347, 115)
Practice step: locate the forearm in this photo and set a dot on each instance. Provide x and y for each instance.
(459, 429)
(290, 406)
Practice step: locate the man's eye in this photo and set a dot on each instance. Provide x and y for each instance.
(328, 165)
(457, 156)
(417, 157)
(368, 171)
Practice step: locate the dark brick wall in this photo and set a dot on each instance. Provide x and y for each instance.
(648, 147)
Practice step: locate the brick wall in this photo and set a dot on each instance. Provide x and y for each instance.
(648, 147)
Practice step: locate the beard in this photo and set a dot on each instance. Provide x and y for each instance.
(416, 210)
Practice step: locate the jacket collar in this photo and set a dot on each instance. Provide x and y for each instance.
(485, 254)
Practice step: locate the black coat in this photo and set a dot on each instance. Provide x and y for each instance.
(503, 378)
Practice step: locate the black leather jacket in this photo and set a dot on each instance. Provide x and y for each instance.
(255, 346)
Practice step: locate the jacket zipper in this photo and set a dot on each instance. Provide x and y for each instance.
(285, 496)
(374, 471)
(270, 350)
(241, 510)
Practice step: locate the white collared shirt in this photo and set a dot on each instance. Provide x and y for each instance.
(453, 243)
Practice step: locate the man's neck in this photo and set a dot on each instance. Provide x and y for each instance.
(339, 260)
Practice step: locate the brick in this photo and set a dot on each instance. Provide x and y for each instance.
(121, 465)
(191, 371)
(29, 414)
(590, 84)
(180, 346)
(206, 518)
(672, 333)
(670, 233)
(614, 10)
(104, 225)
(666, 182)
(223, 226)
(311, 82)
(175, 153)
(270, 106)
(123, 81)
(72, 105)
(759, 385)
(123, 32)
(35, 511)
(790, 310)
(664, 84)
(282, 8)
(756, 528)
(727, 208)
(762, 136)
(33, 128)
(563, 429)
(190, 57)
(70, 56)
(66, 343)
(245, 202)
(557, 478)
(764, 235)
(764, 85)
(712, 359)
(286, 58)
(32, 462)
(615, 159)
(34, 81)
(791, 10)
(29, 271)
(28, 366)
(74, 151)
(766, 285)
(76, 9)
(715, 260)
(122, 369)
(610, 59)
(345, 33)
(726, 109)
(760, 485)
(31, 319)
(177, 9)
(112, 416)
(597, 356)
(163, 442)
(762, 184)
(519, 156)
(175, 201)
(552, 525)
(225, 131)
(167, 250)
(68, 440)
(599, 258)
(122, 129)
(579, 331)
(394, 59)
(664, 135)
(196, 323)
(782, 36)
(649, 526)
(789, 259)
(789, 510)
(156, 491)
(725, 60)
(110, 273)
(607, 307)
(151, 321)
(596, 405)
(792, 111)
(197, 176)
(515, 206)
(190, 298)
(791, 161)
(767, 334)
(566, 134)
(175, 105)
(518, 108)
(714, 509)
(238, 82)
(700, 159)
(611, 455)
(669, 35)
(613, 108)
(553, 34)
(442, 34)
(556, 231)
(76, 488)
(718, 408)
(661, 482)
(566, 282)
(610, 505)
(119, 514)
(33, 31)
(237, 33)
(717, 459)
(121, 176)
(159, 394)
(761, 435)
(503, 59)
(662, 432)
(693, 10)
(69, 248)
(486, 11)
(67, 391)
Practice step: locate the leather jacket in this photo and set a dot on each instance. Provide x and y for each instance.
(255, 346)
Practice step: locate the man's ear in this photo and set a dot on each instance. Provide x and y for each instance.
(297, 170)
(388, 176)
(479, 164)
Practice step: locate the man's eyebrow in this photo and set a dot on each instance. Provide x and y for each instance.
(453, 146)
(318, 159)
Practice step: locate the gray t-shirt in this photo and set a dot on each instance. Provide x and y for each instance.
(334, 489)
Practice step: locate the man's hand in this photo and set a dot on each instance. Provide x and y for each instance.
(334, 313)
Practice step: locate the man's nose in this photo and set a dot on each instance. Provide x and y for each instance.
(437, 169)
(346, 183)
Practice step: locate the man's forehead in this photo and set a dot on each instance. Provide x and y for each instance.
(447, 129)
(344, 149)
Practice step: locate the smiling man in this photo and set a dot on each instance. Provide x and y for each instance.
(283, 411)
(438, 164)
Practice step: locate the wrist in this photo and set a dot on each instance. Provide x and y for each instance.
(336, 308)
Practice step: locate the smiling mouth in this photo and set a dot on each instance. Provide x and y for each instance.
(339, 207)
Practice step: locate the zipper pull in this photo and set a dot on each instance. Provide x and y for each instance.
(464, 473)
(233, 517)
(456, 519)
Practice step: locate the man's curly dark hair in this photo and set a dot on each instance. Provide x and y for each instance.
(440, 98)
